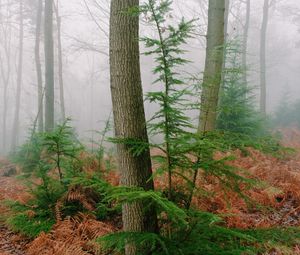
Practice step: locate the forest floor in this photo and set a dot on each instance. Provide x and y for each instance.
(10, 189)
(282, 193)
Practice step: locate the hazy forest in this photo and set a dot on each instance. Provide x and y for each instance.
(149, 127)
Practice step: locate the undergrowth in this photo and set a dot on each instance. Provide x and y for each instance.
(52, 170)
(53, 163)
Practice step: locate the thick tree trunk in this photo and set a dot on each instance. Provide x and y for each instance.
(213, 65)
(245, 42)
(129, 116)
(38, 66)
(49, 66)
(263, 34)
(15, 134)
(60, 65)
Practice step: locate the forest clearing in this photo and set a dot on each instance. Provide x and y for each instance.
(149, 127)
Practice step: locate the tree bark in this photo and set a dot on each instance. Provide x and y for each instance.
(213, 66)
(245, 42)
(38, 66)
(60, 65)
(129, 115)
(263, 40)
(226, 20)
(49, 66)
(5, 64)
(226, 17)
(15, 134)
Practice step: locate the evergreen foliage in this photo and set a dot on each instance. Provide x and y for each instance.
(239, 122)
(237, 111)
(287, 112)
(201, 235)
(53, 168)
(283, 113)
(170, 120)
(100, 143)
(39, 158)
(183, 154)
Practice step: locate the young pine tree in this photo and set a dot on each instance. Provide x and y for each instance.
(171, 119)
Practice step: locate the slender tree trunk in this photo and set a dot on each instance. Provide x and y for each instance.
(16, 125)
(245, 42)
(129, 116)
(263, 34)
(226, 20)
(38, 66)
(214, 78)
(5, 79)
(49, 66)
(4, 117)
(5, 63)
(60, 65)
(213, 65)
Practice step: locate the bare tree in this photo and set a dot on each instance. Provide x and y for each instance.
(60, 63)
(16, 124)
(263, 41)
(5, 64)
(38, 65)
(245, 41)
(49, 66)
(213, 65)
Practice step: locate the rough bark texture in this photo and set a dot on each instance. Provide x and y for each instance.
(128, 110)
(49, 66)
(263, 34)
(213, 65)
(39, 66)
(60, 65)
(15, 134)
(245, 42)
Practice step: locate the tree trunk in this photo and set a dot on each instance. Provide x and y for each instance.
(15, 134)
(245, 42)
(129, 116)
(60, 65)
(39, 66)
(5, 64)
(49, 66)
(226, 20)
(226, 17)
(263, 34)
(213, 65)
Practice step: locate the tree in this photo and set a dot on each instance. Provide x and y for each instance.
(245, 41)
(6, 56)
(129, 115)
(49, 66)
(263, 40)
(16, 127)
(38, 65)
(60, 64)
(213, 65)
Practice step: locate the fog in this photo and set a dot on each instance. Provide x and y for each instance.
(85, 24)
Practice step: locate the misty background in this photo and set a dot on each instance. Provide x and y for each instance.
(84, 31)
